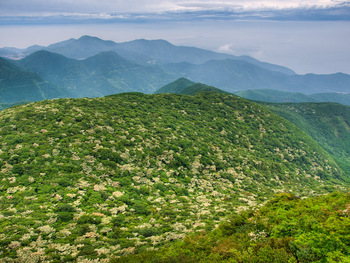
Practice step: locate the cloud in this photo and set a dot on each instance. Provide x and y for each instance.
(119, 10)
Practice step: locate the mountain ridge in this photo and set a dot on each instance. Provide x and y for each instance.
(138, 67)
(110, 176)
(184, 86)
(140, 50)
(18, 85)
(277, 96)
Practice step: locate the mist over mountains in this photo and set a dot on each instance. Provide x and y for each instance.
(92, 67)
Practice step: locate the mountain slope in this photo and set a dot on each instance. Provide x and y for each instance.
(233, 75)
(175, 87)
(9, 105)
(97, 178)
(199, 87)
(103, 74)
(145, 65)
(84, 47)
(327, 123)
(287, 227)
(140, 51)
(18, 85)
(343, 98)
(277, 96)
(186, 87)
(163, 52)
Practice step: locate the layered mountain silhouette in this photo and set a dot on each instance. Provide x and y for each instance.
(18, 85)
(268, 95)
(140, 51)
(92, 67)
(103, 74)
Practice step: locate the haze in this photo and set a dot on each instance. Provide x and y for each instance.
(308, 37)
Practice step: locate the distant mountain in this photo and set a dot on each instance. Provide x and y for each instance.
(343, 98)
(187, 87)
(53, 67)
(81, 48)
(140, 51)
(229, 75)
(19, 85)
(108, 61)
(103, 74)
(146, 65)
(276, 96)
(282, 96)
(9, 52)
(234, 75)
(163, 52)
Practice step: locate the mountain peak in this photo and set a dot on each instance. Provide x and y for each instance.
(45, 54)
(86, 37)
(187, 87)
(107, 60)
(176, 86)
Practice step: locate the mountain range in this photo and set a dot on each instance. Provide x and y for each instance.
(191, 173)
(92, 67)
(140, 51)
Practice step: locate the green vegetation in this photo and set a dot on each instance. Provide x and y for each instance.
(175, 87)
(199, 87)
(18, 85)
(186, 87)
(326, 123)
(106, 177)
(285, 229)
(9, 105)
(277, 96)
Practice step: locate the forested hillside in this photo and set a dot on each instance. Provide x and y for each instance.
(326, 123)
(19, 85)
(286, 229)
(105, 177)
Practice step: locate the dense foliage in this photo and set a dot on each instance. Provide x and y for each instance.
(285, 229)
(326, 123)
(187, 87)
(175, 87)
(95, 178)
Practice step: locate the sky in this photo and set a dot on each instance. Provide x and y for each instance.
(309, 36)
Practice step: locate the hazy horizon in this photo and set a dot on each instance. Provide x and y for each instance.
(308, 37)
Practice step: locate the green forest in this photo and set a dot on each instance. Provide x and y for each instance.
(166, 178)
(286, 229)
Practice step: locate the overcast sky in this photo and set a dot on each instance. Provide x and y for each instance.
(42, 7)
(306, 35)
